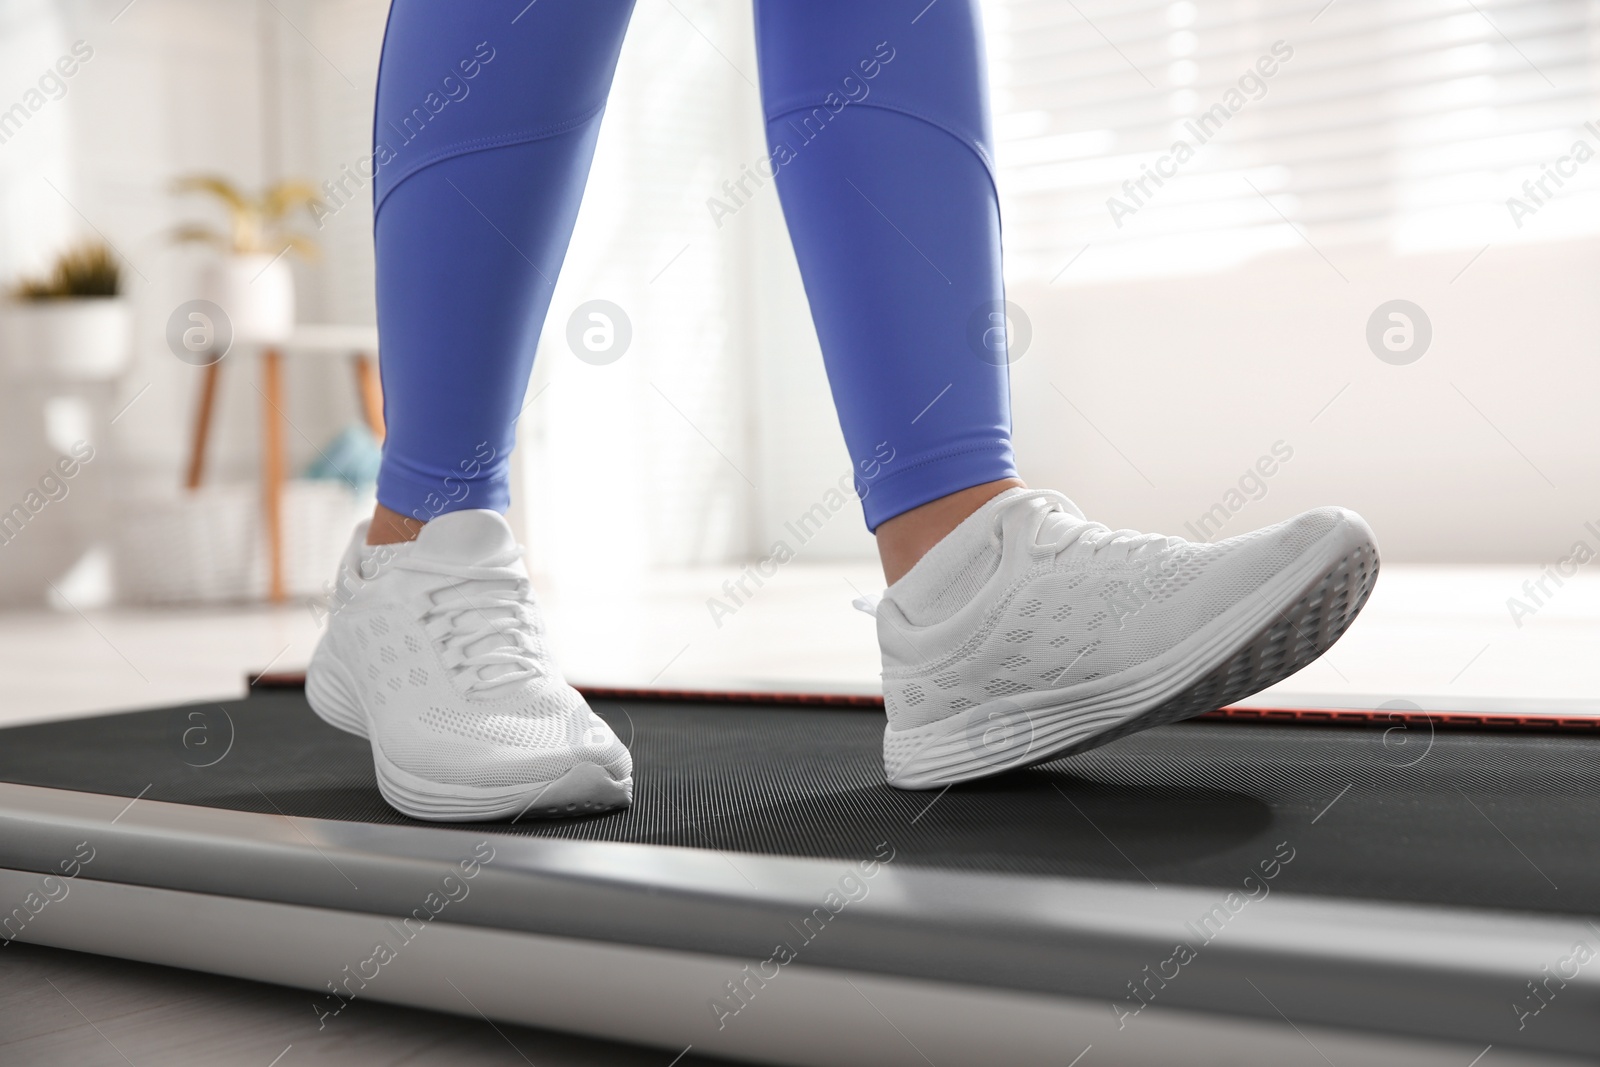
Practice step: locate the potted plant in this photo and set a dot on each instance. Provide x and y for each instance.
(72, 323)
(251, 281)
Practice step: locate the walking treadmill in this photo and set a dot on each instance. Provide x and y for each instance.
(1251, 887)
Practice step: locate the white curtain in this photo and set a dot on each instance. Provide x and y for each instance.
(643, 461)
(35, 137)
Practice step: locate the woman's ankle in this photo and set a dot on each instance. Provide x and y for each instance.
(906, 538)
(391, 527)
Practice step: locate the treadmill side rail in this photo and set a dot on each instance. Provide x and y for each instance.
(1442, 974)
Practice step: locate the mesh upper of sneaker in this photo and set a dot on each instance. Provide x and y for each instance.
(1061, 621)
(447, 651)
(533, 730)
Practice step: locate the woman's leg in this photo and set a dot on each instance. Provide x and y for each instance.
(878, 125)
(434, 650)
(486, 122)
(1014, 630)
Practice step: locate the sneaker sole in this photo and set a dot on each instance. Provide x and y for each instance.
(584, 790)
(1258, 643)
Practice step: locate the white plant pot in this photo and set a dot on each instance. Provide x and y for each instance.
(86, 338)
(256, 292)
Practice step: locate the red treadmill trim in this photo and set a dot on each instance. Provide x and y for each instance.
(1461, 720)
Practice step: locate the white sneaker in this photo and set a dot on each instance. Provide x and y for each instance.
(1030, 633)
(435, 652)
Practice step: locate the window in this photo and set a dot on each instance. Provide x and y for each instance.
(1158, 138)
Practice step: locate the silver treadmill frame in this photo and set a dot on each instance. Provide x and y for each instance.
(635, 941)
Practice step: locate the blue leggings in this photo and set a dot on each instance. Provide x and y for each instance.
(877, 121)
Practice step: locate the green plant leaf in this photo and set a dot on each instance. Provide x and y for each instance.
(87, 269)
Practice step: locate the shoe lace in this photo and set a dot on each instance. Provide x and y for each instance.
(482, 619)
(1064, 527)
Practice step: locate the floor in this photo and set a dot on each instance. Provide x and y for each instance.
(67, 1009)
(1441, 637)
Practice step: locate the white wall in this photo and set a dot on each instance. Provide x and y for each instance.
(1190, 380)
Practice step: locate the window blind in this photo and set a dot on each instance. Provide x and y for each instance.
(1150, 138)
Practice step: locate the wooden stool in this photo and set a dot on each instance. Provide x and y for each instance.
(360, 344)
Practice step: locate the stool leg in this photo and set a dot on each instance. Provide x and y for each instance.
(272, 468)
(370, 387)
(202, 426)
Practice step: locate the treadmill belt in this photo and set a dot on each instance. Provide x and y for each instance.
(1490, 819)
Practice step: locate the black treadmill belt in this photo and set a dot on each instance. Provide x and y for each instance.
(1499, 820)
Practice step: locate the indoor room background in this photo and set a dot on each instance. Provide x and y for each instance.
(1207, 227)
